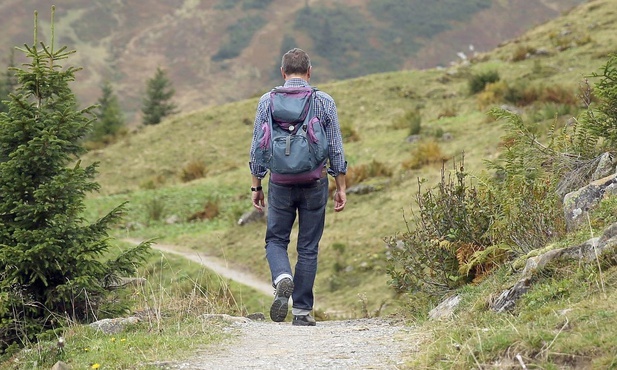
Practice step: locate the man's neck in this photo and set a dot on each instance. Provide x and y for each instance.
(304, 77)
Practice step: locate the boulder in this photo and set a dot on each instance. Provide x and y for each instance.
(507, 299)
(360, 189)
(225, 318)
(578, 202)
(594, 249)
(445, 309)
(113, 326)
(254, 215)
(605, 167)
(61, 366)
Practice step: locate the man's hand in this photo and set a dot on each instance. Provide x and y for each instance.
(340, 199)
(258, 200)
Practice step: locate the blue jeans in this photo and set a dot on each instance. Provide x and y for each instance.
(308, 201)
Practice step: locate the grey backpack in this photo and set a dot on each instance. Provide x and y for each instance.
(294, 146)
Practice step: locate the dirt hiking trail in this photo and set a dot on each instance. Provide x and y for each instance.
(344, 344)
(215, 264)
(350, 344)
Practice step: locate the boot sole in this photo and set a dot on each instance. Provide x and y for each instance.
(280, 306)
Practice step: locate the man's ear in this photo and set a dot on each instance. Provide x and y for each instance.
(283, 73)
(308, 74)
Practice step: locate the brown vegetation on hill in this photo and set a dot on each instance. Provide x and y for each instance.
(124, 42)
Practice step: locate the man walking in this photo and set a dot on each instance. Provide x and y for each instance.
(306, 198)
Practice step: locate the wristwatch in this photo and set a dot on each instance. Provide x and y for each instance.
(256, 189)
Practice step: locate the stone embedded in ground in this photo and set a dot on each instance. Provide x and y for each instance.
(445, 309)
(114, 326)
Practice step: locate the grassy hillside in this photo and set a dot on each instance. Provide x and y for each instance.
(217, 51)
(146, 167)
(565, 321)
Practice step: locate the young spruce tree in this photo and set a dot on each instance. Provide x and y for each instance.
(54, 264)
(7, 84)
(109, 116)
(157, 104)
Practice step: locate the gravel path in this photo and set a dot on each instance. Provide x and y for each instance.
(350, 344)
(345, 344)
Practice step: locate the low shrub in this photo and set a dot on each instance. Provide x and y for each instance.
(452, 224)
(521, 94)
(211, 210)
(492, 94)
(153, 182)
(369, 170)
(155, 209)
(426, 152)
(551, 111)
(193, 170)
(411, 119)
(360, 173)
(448, 111)
(559, 95)
(567, 40)
(477, 82)
(349, 133)
(522, 52)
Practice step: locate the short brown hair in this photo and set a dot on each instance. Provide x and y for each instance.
(296, 61)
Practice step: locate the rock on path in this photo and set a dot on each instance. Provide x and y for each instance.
(350, 344)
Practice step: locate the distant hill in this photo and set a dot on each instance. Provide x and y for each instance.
(147, 167)
(218, 51)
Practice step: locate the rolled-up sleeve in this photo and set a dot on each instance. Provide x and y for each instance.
(258, 170)
(333, 132)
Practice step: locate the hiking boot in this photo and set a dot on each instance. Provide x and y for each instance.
(304, 320)
(278, 310)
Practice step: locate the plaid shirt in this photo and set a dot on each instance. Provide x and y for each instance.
(325, 109)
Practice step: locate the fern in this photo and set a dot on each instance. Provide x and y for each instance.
(606, 124)
(485, 260)
(463, 231)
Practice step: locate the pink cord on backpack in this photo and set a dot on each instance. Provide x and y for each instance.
(265, 140)
(311, 130)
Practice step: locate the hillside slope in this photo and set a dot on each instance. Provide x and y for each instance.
(124, 42)
(146, 167)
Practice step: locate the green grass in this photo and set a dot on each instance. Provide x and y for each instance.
(220, 136)
(145, 169)
(85, 348)
(171, 302)
(565, 321)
